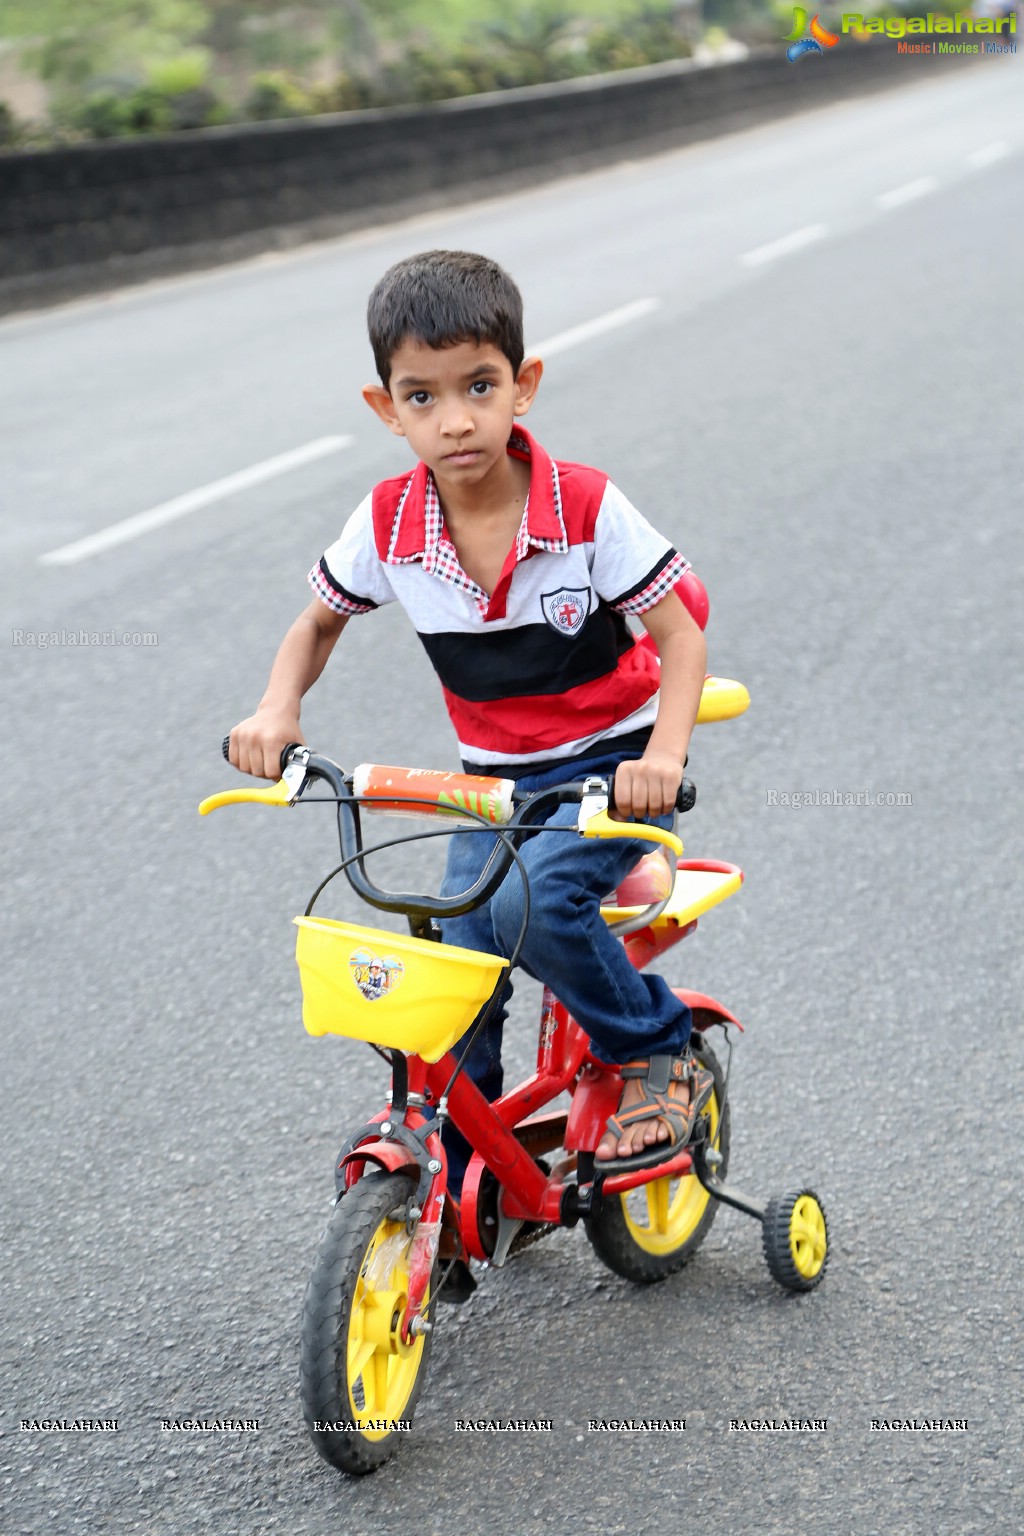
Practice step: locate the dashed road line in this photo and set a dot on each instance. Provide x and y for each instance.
(192, 501)
(169, 511)
(910, 190)
(596, 327)
(792, 242)
(988, 154)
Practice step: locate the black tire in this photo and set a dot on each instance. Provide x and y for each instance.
(339, 1401)
(682, 1208)
(795, 1238)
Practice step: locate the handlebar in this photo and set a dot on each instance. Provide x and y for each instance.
(225, 748)
(300, 767)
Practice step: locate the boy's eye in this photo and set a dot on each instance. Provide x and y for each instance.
(419, 397)
(481, 387)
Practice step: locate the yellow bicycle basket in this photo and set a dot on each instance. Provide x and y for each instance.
(389, 989)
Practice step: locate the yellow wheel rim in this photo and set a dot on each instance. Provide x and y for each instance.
(381, 1369)
(663, 1215)
(808, 1241)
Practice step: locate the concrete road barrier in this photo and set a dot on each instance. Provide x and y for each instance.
(98, 215)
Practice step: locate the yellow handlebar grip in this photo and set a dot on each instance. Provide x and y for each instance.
(277, 794)
(602, 825)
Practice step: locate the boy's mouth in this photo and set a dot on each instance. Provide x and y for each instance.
(462, 456)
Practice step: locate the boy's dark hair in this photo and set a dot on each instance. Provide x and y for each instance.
(441, 298)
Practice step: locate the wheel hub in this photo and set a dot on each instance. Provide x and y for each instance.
(382, 1322)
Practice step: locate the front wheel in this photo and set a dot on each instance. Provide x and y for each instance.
(648, 1233)
(358, 1380)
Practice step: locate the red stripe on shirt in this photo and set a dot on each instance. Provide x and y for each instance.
(544, 722)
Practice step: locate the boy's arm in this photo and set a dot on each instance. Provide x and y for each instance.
(648, 786)
(257, 743)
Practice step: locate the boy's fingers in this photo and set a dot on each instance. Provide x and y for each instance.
(244, 754)
(255, 747)
(630, 792)
(644, 791)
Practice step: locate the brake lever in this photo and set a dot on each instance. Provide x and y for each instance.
(596, 796)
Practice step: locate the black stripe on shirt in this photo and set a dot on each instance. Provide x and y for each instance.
(645, 581)
(530, 659)
(350, 597)
(630, 745)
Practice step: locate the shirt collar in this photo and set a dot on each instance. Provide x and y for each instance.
(418, 523)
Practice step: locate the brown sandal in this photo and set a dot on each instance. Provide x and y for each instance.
(658, 1076)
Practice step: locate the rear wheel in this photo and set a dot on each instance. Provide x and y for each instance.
(650, 1232)
(359, 1381)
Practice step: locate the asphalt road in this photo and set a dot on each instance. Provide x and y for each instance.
(831, 434)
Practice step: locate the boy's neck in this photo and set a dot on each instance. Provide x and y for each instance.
(502, 492)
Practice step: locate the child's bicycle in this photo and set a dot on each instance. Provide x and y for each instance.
(383, 1260)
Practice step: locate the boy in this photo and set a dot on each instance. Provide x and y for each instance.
(518, 574)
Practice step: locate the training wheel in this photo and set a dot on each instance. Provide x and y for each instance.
(795, 1237)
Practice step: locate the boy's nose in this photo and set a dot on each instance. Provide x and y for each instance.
(456, 422)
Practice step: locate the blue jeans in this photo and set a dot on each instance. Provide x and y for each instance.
(567, 946)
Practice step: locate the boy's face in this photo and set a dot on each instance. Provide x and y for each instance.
(455, 405)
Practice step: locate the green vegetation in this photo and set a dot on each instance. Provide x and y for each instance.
(119, 67)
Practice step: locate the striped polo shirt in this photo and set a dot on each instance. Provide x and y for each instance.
(544, 670)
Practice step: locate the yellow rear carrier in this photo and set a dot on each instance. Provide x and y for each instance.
(389, 988)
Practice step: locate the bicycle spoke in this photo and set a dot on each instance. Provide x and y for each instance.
(657, 1206)
(379, 1376)
(359, 1355)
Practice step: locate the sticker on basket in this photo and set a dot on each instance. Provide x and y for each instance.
(375, 977)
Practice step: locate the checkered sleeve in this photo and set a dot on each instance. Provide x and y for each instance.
(634, 566)
(349, 576)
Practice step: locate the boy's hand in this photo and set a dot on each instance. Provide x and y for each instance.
(648, 787)
(257, 743)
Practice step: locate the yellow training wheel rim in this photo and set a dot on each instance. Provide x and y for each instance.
(381, 1369)
(808, 1242)
(663, 1215)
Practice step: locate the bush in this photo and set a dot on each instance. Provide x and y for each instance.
(182, 75)
(103, 115)
(8, 126)
(175, 94)
(423, 76)
(651, 42)
(345, 93)
(275, 94)
(109, 114)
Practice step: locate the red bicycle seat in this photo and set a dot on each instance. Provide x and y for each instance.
(693, 595)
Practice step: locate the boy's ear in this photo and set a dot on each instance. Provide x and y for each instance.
(380, 402)
(527, 383)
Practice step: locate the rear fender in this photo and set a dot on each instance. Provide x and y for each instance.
(595, 1097)
(706, 1010)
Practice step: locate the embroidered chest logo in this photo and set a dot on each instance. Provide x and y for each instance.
(566, 610)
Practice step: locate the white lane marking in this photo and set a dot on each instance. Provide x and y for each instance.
(907, 193)
(191, 501)
(596, 327)
(794, 242)
(988, 154)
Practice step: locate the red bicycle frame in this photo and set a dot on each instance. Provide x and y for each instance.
(565, 1060)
